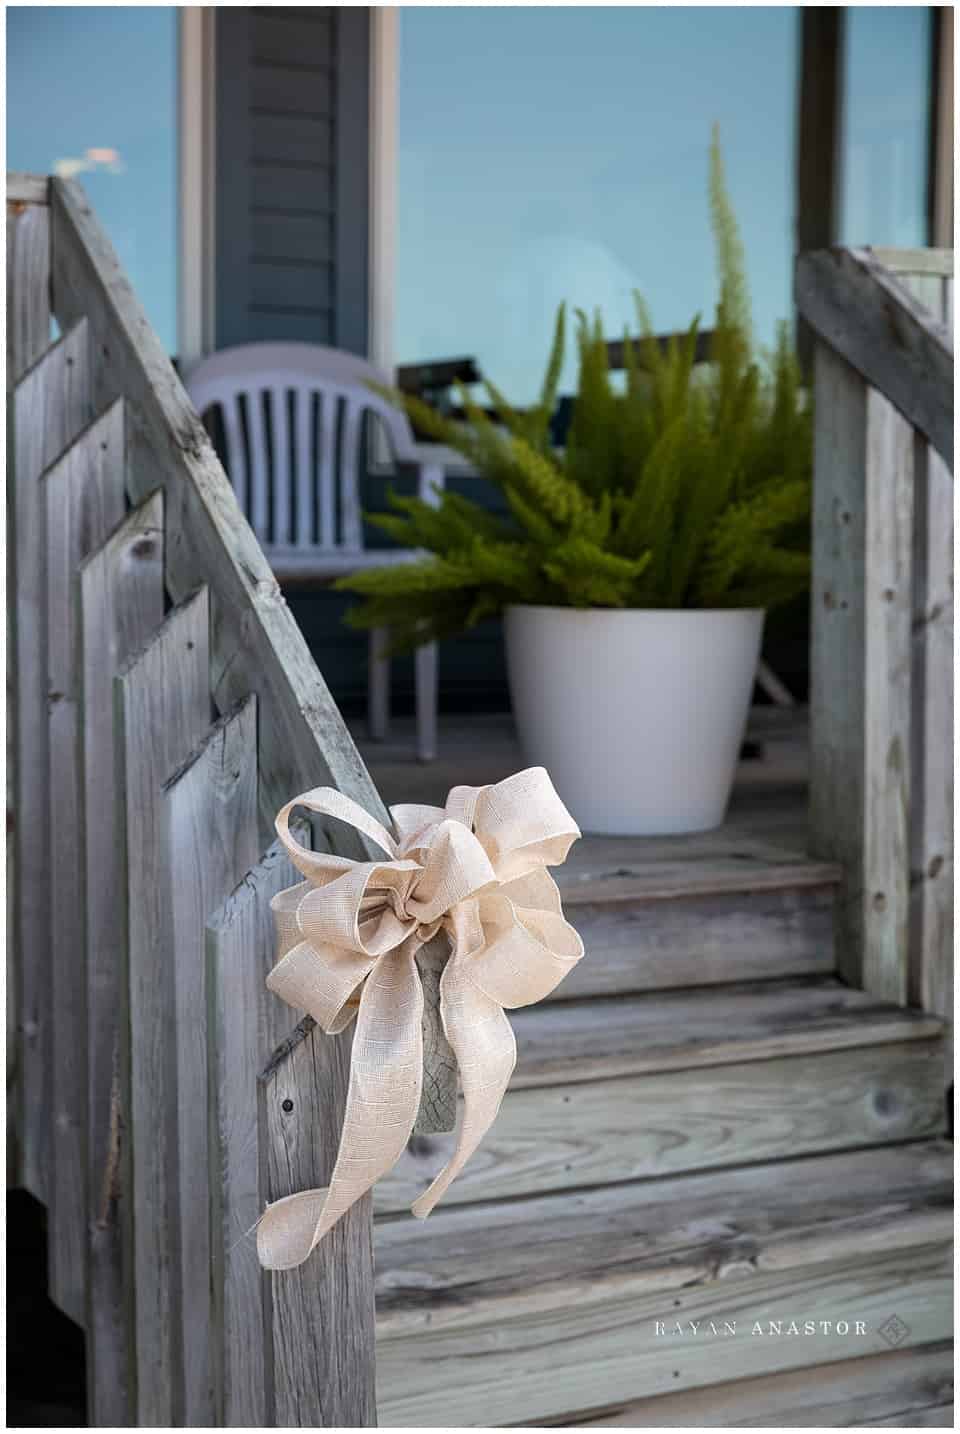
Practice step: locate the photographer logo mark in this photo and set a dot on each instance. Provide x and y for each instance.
(894, 1331)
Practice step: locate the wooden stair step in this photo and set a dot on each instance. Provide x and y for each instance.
(718, 906)
(614, 1091)
(728, 859)
(673, 1030)
(908, 1388)
(535, 1309)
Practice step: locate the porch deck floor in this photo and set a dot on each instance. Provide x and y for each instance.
(767, 814)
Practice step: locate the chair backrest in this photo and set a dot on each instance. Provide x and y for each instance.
(292, 421)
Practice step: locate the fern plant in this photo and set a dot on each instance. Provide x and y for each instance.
(688, 488)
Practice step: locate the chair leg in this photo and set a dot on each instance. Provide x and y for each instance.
(425, 680)
(378, 686)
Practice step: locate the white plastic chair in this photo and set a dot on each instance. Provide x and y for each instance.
(294, 419)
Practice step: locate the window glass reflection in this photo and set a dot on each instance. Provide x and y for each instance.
(886, 117)
(562, 153)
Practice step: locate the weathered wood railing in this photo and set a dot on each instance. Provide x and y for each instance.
(882, 610)
(165, 706)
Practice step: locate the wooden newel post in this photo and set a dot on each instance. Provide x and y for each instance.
(438, 1100)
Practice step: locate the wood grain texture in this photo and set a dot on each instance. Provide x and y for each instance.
(256, 644)
(931, 808)
(28, 286)
(50, 405)
(887, 586)
(908, 1388)
(438, 1099)
(733, 859)
(676, 1030)
(929, 276)
(477, 1264)
(83, 498)
(521, 1371)
(699, 939)
(246, 1024)
(23, 188)
(860, 669)
(322, 1311)
(639, 1126)
(870, 319)
(164, 709)
(210, 823)
(121, 605)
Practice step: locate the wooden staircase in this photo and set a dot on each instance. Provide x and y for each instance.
(718, 1191)
(718, 1188)
(705, 1126)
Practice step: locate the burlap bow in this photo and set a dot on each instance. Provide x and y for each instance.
(477, 869)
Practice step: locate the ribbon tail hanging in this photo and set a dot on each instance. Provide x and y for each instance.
(386, 1072)
(482, 1038)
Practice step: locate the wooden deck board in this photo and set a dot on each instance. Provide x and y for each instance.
(543, 1306)
(647, 1126)
(702, 939)
(762, 843)
(538, 1253)
(702, 1027)
(908, 1388)
(521, 1371)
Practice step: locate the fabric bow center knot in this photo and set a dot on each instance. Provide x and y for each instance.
(404, 901)
(475, 869)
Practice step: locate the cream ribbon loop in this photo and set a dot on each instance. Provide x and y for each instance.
(475, 868)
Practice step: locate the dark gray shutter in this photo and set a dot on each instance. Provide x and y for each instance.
(292, 247)
(292, 175)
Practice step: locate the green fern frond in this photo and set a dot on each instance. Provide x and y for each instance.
(731, 267)
(551, 378)
(743, 531)
(530, 519)
(687, 485)
(557, 496)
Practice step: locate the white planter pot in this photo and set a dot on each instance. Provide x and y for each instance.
(637, 714)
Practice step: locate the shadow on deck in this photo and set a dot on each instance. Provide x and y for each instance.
(768, 807)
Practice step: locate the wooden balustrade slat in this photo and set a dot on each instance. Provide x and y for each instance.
(28, 285)
(164, 707)
(931, 856)
(50, 405)
(121, 605)
(210, 821)
(860, 664)
(928, 274)
(323, 1324)
(83, 499)
(247, 1024)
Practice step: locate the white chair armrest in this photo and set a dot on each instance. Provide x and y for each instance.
(431, 479)
(434, 462)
